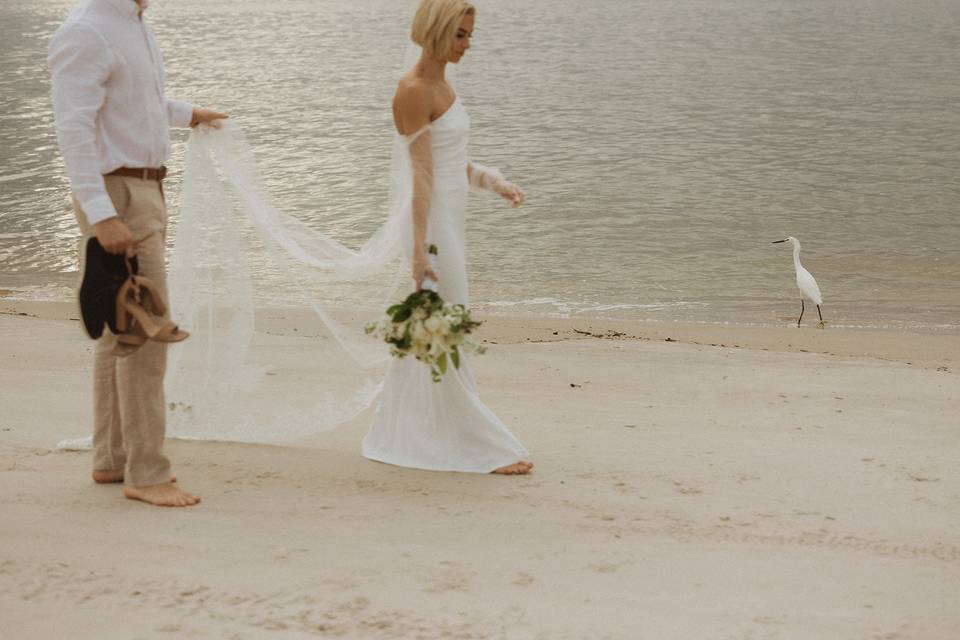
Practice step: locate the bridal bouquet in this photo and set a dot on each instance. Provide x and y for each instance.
(432, 330)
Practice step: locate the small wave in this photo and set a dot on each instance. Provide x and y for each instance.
(570, 308)
(682, 311)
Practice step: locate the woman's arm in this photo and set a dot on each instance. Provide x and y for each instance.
(489, 178)
(411, 110)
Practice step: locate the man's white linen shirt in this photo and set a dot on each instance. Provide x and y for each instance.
(108, 100)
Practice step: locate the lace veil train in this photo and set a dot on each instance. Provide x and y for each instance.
(259, 369)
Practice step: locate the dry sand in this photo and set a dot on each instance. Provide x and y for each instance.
(787, 484)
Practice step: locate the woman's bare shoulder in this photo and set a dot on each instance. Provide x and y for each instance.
(414, 92)
(413, 104)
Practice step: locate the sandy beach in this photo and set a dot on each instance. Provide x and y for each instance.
(692, 481)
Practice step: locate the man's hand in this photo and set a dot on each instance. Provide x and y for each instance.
(207, 116)
(115, 237)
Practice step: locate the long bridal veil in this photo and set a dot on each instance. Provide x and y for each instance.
(276, 308)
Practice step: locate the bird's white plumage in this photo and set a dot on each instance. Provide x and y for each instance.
(805, 281)
(808, 286)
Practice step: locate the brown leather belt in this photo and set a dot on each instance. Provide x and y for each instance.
(143, 174)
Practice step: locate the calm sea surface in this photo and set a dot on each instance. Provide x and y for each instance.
(663, 145)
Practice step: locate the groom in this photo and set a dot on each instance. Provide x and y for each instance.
(113, 123)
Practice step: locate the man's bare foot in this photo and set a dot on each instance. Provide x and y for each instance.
(162, 495)
(112, 476)
(516, 469)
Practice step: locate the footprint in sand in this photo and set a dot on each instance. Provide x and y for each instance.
(605, 568)
(450, 582)
(523, 579)
(686, 489)
(453, 578)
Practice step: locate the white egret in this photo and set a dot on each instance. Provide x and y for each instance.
(805, 282)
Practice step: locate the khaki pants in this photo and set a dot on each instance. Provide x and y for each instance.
(128, 402)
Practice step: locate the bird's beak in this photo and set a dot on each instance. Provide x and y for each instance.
(777, 241)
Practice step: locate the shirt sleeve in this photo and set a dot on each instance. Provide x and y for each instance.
(179, 113)
(80, 63)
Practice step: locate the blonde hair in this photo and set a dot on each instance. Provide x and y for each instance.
(435, 25)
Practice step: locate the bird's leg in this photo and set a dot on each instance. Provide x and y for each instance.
(821, 323)
(801, 313)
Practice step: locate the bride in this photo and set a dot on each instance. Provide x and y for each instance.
(232, 263)
(419, 423)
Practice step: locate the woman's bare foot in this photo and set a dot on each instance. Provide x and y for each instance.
(162, 495)
(516, 469)
(112, 476)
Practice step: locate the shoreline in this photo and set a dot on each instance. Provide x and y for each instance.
(41, 298)
(926, 350)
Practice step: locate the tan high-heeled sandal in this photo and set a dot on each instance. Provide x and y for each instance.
(165, 331)
(145, 292)
(136, 293)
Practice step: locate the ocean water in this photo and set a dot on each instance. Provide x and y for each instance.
(663, 145)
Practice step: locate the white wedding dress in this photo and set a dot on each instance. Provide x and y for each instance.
(441, 426)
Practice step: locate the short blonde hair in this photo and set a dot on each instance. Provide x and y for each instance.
(435, 25)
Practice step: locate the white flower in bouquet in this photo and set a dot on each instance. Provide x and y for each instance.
(434, 331)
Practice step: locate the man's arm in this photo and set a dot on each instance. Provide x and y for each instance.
(179, 113)
(80, 62)
(183, 114)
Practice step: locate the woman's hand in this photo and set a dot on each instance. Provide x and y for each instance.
(509, 192)
(422, 269)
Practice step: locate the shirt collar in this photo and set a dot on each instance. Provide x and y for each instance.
(128, 8)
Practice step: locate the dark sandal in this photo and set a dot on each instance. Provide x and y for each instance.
(104, 274)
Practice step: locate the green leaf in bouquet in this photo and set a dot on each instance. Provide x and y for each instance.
(455, 357)
(422, 298)
(401, 312)
(432, 250)
(442, 363)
